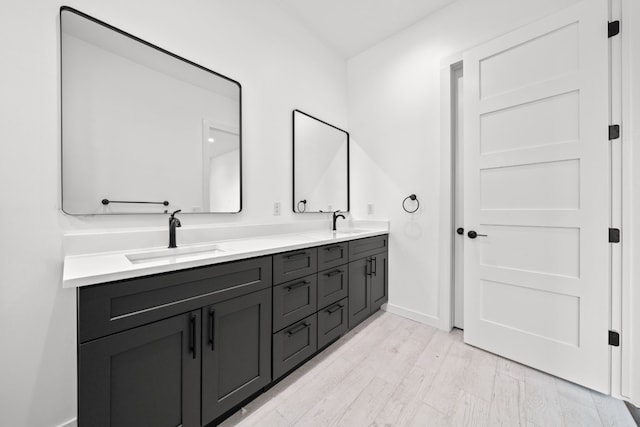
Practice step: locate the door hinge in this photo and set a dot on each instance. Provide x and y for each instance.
(613, 28)
(614, 235)
(614, 338)
(614, 132)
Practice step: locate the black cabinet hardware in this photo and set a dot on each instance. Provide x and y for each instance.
(333, 273)
(297, 285)
(334, 308)
(332, 248)
(192, 335)
(460, 231)
(297, 329)
(296, 255)
(212, 315)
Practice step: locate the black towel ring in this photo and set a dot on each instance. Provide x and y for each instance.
(304, 205)
(411, 197)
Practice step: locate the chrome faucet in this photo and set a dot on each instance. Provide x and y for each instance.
(173, 223)
(336, 215)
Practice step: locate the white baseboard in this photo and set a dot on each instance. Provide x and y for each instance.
(73, 422)
(413, 315)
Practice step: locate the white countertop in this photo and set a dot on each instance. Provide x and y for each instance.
(90, 269)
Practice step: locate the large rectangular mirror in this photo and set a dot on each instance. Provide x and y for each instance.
(320, 165)
(143, 130)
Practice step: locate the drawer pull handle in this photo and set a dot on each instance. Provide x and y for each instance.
(333, 273)
(297, 329)
(192, 335)
(297, 285)
(332, 248)
(212, 314)
(334, 308)
(296, 255)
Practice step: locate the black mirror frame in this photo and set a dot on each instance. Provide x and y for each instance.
(166, 52)
(293, 161)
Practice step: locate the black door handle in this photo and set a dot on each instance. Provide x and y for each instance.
(472, 234)
(460, 231)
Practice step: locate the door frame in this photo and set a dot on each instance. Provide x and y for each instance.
(621, 215)
(447, 199)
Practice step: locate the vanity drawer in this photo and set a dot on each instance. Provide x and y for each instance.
(293, 301)
(362, 248)
(333, 285)
(333, 255)
(113, 307)
(293, 345)
(332, 322)
(295, 264)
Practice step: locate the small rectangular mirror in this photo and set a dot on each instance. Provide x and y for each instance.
(320, 165)
(144, 130)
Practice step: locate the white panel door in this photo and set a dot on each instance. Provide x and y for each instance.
(537, 185)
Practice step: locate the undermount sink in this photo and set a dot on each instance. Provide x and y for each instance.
(174, 254)
(349, 231)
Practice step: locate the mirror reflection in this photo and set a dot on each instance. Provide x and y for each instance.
(320, 165)
(143, 131)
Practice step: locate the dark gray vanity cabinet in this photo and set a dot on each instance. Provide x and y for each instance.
(145, 376)
(236, 352)
(184, 348)
(174, 349)
(368, 277)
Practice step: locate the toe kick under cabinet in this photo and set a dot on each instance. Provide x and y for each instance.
(186, 348)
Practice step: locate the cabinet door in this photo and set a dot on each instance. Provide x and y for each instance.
(379, 281)
(359, 291)
(236, 356)
(146, 376)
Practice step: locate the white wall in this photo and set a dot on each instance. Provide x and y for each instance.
(394, 122)
(280, 67)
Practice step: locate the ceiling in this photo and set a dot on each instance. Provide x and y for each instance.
(352, 26)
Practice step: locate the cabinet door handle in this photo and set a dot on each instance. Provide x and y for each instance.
(334, 308)
(368, 267)
(297, 329)
(374, 261)
(297, 285)
(333, 273)
(332, 248)
(192, 335)
(296, 255)
(212, 315)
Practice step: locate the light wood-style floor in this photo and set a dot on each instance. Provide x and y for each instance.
(391, 371)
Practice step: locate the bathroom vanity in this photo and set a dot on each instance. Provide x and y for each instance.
(187, 347)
